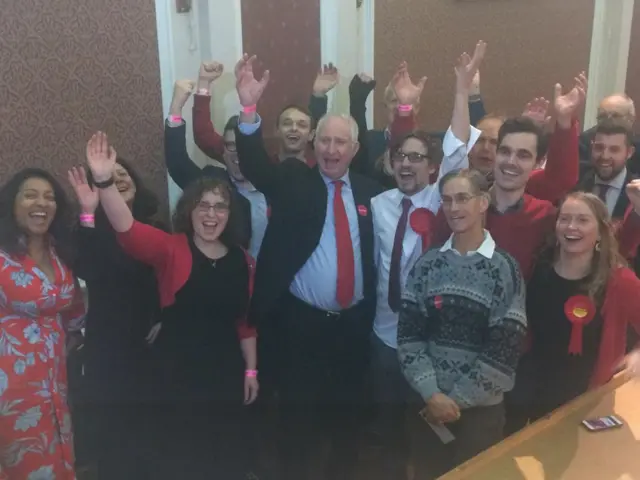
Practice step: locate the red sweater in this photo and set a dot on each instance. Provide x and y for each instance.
(551, 183)
(205, 135)
(523, 233)
(620, 309)
(170, 256)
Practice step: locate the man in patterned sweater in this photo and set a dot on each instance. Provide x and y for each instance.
(461, 327)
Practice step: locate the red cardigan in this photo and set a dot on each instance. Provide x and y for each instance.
(620, 309)
(205, 135)
(170, 256)
(551, 183)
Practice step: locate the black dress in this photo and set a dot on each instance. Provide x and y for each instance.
(558, 377)
(123, 306)
(201, 372)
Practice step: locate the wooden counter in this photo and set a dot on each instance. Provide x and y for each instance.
(558, 447)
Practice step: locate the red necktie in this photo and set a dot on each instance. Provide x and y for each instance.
(345, 281)
(396, 257)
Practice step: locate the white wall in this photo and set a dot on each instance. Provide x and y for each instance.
(211, 31)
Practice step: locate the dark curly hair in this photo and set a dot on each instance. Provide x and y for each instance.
(145, 202)
(187, 203)
(12, 238)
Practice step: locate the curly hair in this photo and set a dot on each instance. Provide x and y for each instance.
(191, 196)
(12, 237)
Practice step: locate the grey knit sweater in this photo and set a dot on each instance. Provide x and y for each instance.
(462, 326)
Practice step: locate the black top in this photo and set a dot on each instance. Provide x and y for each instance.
(123, 306)
(198, 347)
(560, 377)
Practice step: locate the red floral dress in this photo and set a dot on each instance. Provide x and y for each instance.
(35, 314)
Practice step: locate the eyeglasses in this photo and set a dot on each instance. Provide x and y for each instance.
(220, 208)
(458, 198)
(414, 157)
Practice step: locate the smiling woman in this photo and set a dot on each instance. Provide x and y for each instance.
(39, 294)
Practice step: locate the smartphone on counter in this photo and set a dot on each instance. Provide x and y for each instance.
(602, 423)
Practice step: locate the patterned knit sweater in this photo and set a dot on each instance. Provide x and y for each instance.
(462, 326)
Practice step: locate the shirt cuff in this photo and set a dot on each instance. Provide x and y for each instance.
(250, 128)
(175, 124)
(451, 144)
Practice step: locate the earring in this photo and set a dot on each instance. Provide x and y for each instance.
(598, 246)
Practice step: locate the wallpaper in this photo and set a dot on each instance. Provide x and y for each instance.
(532, 46)
(633, 67)
(285, 35)
(69, 68)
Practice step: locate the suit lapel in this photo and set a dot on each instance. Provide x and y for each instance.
(623, 201)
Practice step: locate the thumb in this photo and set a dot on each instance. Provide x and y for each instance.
(265, 78)
(557, 92)
(422, 83)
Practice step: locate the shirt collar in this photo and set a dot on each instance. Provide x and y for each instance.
(246, 186)
(616, 182)
(417, 199)
(345, 178)
(486, 248)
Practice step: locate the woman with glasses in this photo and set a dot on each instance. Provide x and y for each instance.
(206, 353)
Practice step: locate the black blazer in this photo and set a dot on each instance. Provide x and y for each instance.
(184, 171)
(298, 198)
(588, 180)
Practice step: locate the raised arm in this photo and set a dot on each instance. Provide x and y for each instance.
(561, 170)
(466, 69)
(204, 133)
(408, 95)
(326, 80)
(143, 242)
(182, 169)
(360, 87)
(255, 163)
(494, 370)
(476, 104)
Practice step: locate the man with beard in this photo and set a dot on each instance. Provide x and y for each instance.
(620, 108)
(611, 149)
(399, 244)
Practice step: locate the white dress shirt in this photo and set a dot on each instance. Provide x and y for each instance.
(259, 219)
(386, 209)
(486, 248)
(616, 184)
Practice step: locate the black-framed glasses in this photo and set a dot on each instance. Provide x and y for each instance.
(414, 157)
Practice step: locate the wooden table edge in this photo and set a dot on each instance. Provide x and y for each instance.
(481, 460)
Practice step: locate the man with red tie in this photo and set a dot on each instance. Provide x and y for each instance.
(397, 218)
(315, 285)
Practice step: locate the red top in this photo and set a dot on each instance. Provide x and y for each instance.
(551, 183)
(205, 135)
(620, 309)
(170, 256)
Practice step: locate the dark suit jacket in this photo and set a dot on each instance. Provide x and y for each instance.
(587, 182)
(184, 171)
(298, 198)
(633, 164)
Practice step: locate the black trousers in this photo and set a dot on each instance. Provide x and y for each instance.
(321, 366)
(478, 429)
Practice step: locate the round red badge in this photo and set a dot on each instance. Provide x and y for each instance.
(579, 310)
(421, 222)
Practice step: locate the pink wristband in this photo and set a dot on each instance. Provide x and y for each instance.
(405, 108)
(251, 373)
(175, 118)
(87, 217)
(249, 109)
(204, 91)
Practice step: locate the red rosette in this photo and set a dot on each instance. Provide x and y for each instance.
(579, 310)
(421, 221)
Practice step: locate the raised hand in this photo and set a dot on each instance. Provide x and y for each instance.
(360, 87)
(537, 110)
(87, 195)
(566, 106)
(249, 88)
(182, 89)
(101, 157)
(407, 92)
(633, 193)
(209, 72)
(327, 78)
(467, 67)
